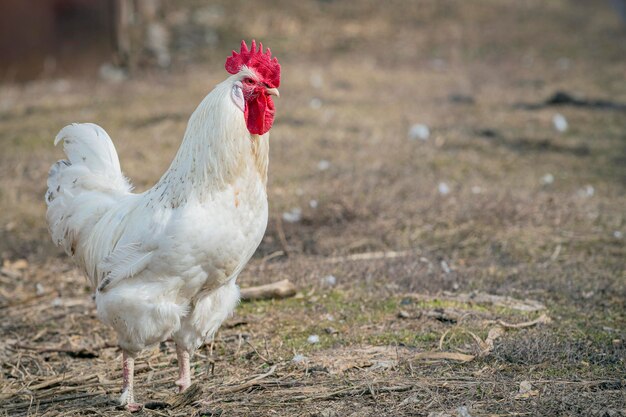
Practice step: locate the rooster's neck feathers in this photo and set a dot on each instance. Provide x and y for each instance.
(216, 150)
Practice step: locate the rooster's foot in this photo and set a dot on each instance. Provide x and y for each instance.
(183, 384)
(133, 407)
(127, 401)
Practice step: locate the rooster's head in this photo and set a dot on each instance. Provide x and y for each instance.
(258, 79)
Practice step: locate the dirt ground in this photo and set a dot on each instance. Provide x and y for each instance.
(414, 258)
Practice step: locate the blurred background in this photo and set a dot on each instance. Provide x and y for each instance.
(61, 38)
(445, 81)
(423, 146)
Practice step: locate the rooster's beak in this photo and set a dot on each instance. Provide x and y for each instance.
(272, 92)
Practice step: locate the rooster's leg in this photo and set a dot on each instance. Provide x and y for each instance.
(184, 373)
(128, 396)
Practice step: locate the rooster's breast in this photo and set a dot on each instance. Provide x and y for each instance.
(211, 241)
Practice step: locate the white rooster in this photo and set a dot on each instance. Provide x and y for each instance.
(164, 263)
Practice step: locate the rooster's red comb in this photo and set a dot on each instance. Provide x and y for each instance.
(267, 68)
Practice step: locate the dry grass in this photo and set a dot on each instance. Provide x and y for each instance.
(466, 70)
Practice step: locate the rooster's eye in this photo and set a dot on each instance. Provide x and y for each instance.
(249, 81)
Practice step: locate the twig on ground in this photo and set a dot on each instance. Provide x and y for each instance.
(271, 256)
(487, 346)
(258, 353)
(543, 319)
(435, 355)
(281, 235)
(526, 305)
(249, 383)
(280, 289)
(370, 256)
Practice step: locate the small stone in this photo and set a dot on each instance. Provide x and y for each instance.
(331, 330)
(330, 280)
(313, 339)
(560, 122)
(323, 165)
(445, 267)
(617, 342)
(403, 314)
(313, 204)
(524, 387)
(419, 131)
(586, 191)
(443, 188)
(299, 358)
(476, 190)
(463, 412)
(293, 216)
(617, 234)
(315, 103)
(39, 289)
(547, 179)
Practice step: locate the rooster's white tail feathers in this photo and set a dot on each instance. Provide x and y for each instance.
(82, 187)
(88, 144)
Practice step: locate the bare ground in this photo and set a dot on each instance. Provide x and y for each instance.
(416, 269)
